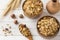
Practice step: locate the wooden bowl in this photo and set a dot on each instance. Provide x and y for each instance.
(51, 35)
(28, 14)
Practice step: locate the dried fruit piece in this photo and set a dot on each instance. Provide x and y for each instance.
(25, 31)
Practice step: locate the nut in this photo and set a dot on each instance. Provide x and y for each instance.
(21, 16)
(15, 21)
(13, 16)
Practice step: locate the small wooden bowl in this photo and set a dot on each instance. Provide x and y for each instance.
(48, 36)
(30, 16)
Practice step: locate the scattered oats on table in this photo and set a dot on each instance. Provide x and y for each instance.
(7, 31)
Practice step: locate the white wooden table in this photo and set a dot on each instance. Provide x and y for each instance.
(31, 23)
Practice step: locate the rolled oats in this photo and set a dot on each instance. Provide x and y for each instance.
(25, 31)
(32, 8)
(48, 26)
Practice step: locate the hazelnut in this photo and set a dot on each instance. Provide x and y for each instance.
(13, 16)
(15, 21)
(21, 16)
